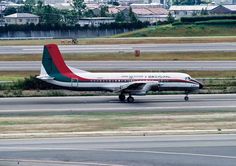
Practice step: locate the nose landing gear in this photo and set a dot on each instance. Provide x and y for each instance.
(186, 98)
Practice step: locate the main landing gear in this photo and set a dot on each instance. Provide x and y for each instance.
(122, 97)
(130, 99)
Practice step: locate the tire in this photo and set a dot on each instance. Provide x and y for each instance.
(186, 98)
(122, 97)
(130, 99)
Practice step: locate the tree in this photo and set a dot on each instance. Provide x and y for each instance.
(51, 15)
(39, 9)
(204, 12)
(120, 17)
(9, 10)
(194, 13)
(78, 7)
(176, 2)
(104, 11)
(170, 18)
(115, 3)
(69, 17)
(29, 5)
(187, 2)
(89, 13)
(132, 16)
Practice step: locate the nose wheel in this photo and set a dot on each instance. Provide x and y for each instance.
(186, 98)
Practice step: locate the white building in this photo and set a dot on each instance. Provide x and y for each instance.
(183, 11)
(224, 2)
(49, 2)
(189, 10)
(21, 19)
(150, 5)
(95, 21)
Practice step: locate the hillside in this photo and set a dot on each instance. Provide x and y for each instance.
(183, 31)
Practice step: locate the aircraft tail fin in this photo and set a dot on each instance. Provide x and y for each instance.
(54, 66)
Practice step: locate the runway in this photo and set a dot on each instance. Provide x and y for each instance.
(173, 150)
(71, 105)
(191, 47)
(126, 65)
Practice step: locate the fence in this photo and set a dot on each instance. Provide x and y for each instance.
(61, 34)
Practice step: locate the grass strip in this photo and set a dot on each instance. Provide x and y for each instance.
(136, 37)
(15, 75)
(119, 122)
(177, 56)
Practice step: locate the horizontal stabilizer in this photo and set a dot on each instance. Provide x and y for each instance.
(45, 77)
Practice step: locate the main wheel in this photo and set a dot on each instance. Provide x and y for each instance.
(122, 97)
(130, 99)
(186, 98)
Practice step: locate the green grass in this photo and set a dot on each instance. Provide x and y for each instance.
(20, 75)
(150, 56)
(158, 35)
(183, 31)
(16, 75)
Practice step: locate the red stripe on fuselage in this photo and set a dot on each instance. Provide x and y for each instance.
(60, 63)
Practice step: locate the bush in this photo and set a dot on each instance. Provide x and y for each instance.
(217, 22)
(55, 93)
(32, 83)
(207, 18)
(177, 23)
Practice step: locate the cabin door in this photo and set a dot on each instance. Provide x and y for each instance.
(74, 82)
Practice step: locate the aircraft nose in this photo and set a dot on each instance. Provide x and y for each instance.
(200, 85)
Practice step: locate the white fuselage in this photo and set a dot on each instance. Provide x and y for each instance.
(114, 81)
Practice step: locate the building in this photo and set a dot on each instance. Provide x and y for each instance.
(62, 6)
(190, 10)
(232, 8)
(21, 19)
(151, 15)
(113, 10)
(150, 12)
(151, 5)
(95, 21)
(224, 2)
(95, 8)
(49, 2)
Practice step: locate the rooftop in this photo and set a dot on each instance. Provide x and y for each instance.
(21, 15)
(193, 7)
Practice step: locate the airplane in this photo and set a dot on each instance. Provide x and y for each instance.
(55, 71)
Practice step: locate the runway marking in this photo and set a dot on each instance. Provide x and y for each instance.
(174, 153)
(131, 151)
(119, 109)
(81, 49)
(58, 162)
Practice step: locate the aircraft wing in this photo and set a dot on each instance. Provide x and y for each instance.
(139, 87)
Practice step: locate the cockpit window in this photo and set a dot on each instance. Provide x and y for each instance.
(187, 78)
